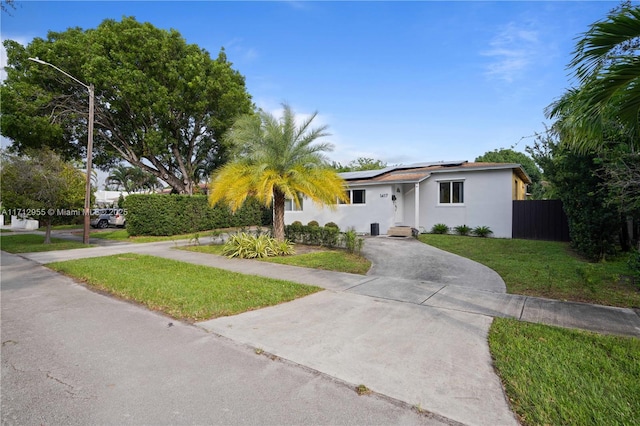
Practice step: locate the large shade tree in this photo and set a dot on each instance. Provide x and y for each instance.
(276, 160)
(161, 104)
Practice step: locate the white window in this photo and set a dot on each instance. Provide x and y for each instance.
(355, 196)
(451, 192)
(290, 205)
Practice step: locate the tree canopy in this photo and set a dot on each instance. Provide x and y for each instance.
(161, 104)
(277, 160)
(360, 164)
(590, 153)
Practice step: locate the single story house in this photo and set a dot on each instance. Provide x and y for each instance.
(422, 195)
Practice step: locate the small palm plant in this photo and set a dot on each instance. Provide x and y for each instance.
(462, 230)
(440, 228)
(482, 231)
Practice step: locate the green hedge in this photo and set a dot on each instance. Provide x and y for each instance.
(156, 214)
(327, 236)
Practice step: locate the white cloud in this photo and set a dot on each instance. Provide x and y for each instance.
(513, 50)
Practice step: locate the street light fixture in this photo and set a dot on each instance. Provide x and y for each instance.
(87, 193)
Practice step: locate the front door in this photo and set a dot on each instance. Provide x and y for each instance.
(398, 205)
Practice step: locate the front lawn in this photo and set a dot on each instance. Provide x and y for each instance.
(317, 258)
(181, 290)
(29, 243)
(123, 235)
(546, 269)
(555, 376)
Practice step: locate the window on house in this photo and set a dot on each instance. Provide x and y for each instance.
(290, 205)
(355, 196)
(358, 196)
(451, 192)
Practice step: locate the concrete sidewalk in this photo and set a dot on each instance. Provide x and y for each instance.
(598, 318)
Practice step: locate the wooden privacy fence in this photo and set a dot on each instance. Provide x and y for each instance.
(539, 220)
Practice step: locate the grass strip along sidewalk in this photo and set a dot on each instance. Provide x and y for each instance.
(555, 376)
(181, 290)
(30, 243)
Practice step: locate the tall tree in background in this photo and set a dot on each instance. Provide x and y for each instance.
(359, 164)
(277, 160)
(504, 155)
(161, 104)
(131, 179)
(594, 222)
(42, 184)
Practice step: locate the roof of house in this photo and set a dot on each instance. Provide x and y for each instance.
(414, 173)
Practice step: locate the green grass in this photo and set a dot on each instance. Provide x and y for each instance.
(123, 235)
(555, 376)
(181, 290)
(62, 227)
(330, 260)
(546, 269)
(29, 243)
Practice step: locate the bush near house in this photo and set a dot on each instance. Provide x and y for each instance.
(156, 214)
(312, 234)
(440, 228)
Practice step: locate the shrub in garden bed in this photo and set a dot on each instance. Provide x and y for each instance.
(440, 228)
(250, 246)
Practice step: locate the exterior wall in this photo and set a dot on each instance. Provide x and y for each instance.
(488, 196)
(519, 188)
(487, 201)
(378, 208)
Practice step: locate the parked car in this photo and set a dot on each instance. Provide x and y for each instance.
(117, 218)
(100, 218)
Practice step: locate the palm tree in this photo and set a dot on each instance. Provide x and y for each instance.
(119, 177)
(607, 67)
(131, 179)
(277, 160)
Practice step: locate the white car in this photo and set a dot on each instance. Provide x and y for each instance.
(117, 218)
(100, 218)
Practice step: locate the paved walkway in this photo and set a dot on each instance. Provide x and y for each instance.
(421, 340)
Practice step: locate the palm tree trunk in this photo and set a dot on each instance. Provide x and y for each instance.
(278, 215)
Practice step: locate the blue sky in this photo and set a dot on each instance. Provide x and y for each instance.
(402, 82)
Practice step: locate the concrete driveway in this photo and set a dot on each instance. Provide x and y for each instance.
(410, 259)
(374, 334)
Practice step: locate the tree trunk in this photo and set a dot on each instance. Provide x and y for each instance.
(278, 215)
(47, 232)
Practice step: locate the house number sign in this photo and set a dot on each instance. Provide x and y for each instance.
(384, 195)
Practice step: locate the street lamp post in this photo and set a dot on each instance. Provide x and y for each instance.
(87, 193)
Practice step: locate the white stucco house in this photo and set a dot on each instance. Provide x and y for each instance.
(422, 195)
